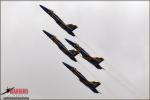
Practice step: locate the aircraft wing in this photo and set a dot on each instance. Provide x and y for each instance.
(94, 90)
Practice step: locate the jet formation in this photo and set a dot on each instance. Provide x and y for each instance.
(95, 61)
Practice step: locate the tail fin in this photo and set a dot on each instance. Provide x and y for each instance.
(74, 52)
(72, 27)
(99, 60)
(96, 84)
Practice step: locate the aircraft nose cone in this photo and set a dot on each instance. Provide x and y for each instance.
(48, 34)
(68, 66)
(42, 6)
(46, 9)
(70, 42)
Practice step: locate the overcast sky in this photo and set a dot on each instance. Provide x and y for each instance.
(118, 31)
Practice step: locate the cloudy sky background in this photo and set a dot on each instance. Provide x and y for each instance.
(118, 31)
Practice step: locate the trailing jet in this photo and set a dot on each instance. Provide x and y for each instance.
(91, 85)
(67, 27)
(70, 53)
(93, 60)
(8, 90)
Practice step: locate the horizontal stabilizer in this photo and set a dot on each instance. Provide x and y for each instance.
(74, 52)
(96, 84)
(99, 60)
(72, 27)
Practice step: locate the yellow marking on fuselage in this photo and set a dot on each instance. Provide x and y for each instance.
(88, 58)
(65, 51)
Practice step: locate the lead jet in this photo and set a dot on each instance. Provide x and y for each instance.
(91, 85)
(67, 27)
(93, 60)
(8, 90)
(70, 53)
